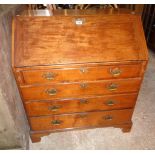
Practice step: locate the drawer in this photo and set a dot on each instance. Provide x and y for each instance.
(78, 120)
(82, 73)
(109, 102)
(73, 90)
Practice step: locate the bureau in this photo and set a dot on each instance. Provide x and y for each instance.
(78, 69)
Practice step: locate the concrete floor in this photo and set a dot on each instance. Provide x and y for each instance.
(142, 135)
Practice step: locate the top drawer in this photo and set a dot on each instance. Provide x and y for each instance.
(75, 74)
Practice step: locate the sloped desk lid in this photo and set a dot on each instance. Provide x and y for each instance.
(77, 38)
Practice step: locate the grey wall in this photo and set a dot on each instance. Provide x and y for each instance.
(13, 123)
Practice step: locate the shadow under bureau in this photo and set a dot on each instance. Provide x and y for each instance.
(78, 69)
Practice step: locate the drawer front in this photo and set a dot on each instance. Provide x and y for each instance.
(40, 108)
(72, 90)
(106, 118)
(83, 73)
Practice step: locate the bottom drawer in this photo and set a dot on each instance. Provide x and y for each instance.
(77, 120)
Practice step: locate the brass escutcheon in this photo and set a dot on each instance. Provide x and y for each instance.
(49, 76)
(108, 117)
(83, 101)
(83, 70)
(54, 107)
(83, 85)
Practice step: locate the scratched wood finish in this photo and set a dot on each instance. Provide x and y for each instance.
(81, 119)
(69, 90)
(85, 104)
(39, 76)
(78, 76)
(99, 39)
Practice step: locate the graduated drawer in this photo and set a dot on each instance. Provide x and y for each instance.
(32, 76)
(65, 121)
(73, 90)
(109, 102)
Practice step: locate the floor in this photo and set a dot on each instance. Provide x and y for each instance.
(142, 135)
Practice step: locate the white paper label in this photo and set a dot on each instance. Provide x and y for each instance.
(79, 22)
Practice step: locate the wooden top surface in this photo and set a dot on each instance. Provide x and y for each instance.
(103, 37)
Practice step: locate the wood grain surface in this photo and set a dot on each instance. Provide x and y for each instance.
(58, 40)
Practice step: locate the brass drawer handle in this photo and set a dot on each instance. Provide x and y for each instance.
(108, 118)
(115, 72)
(49, 76)
(56, 122)
(51, 92)
(83, 101)
(54, 107)
(110, 102)
(112, 87)
(83, 85)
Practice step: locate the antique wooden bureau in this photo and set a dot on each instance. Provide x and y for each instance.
(78, 69)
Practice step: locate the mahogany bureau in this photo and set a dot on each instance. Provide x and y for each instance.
(78, 69)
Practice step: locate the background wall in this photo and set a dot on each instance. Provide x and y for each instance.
(13, 123)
